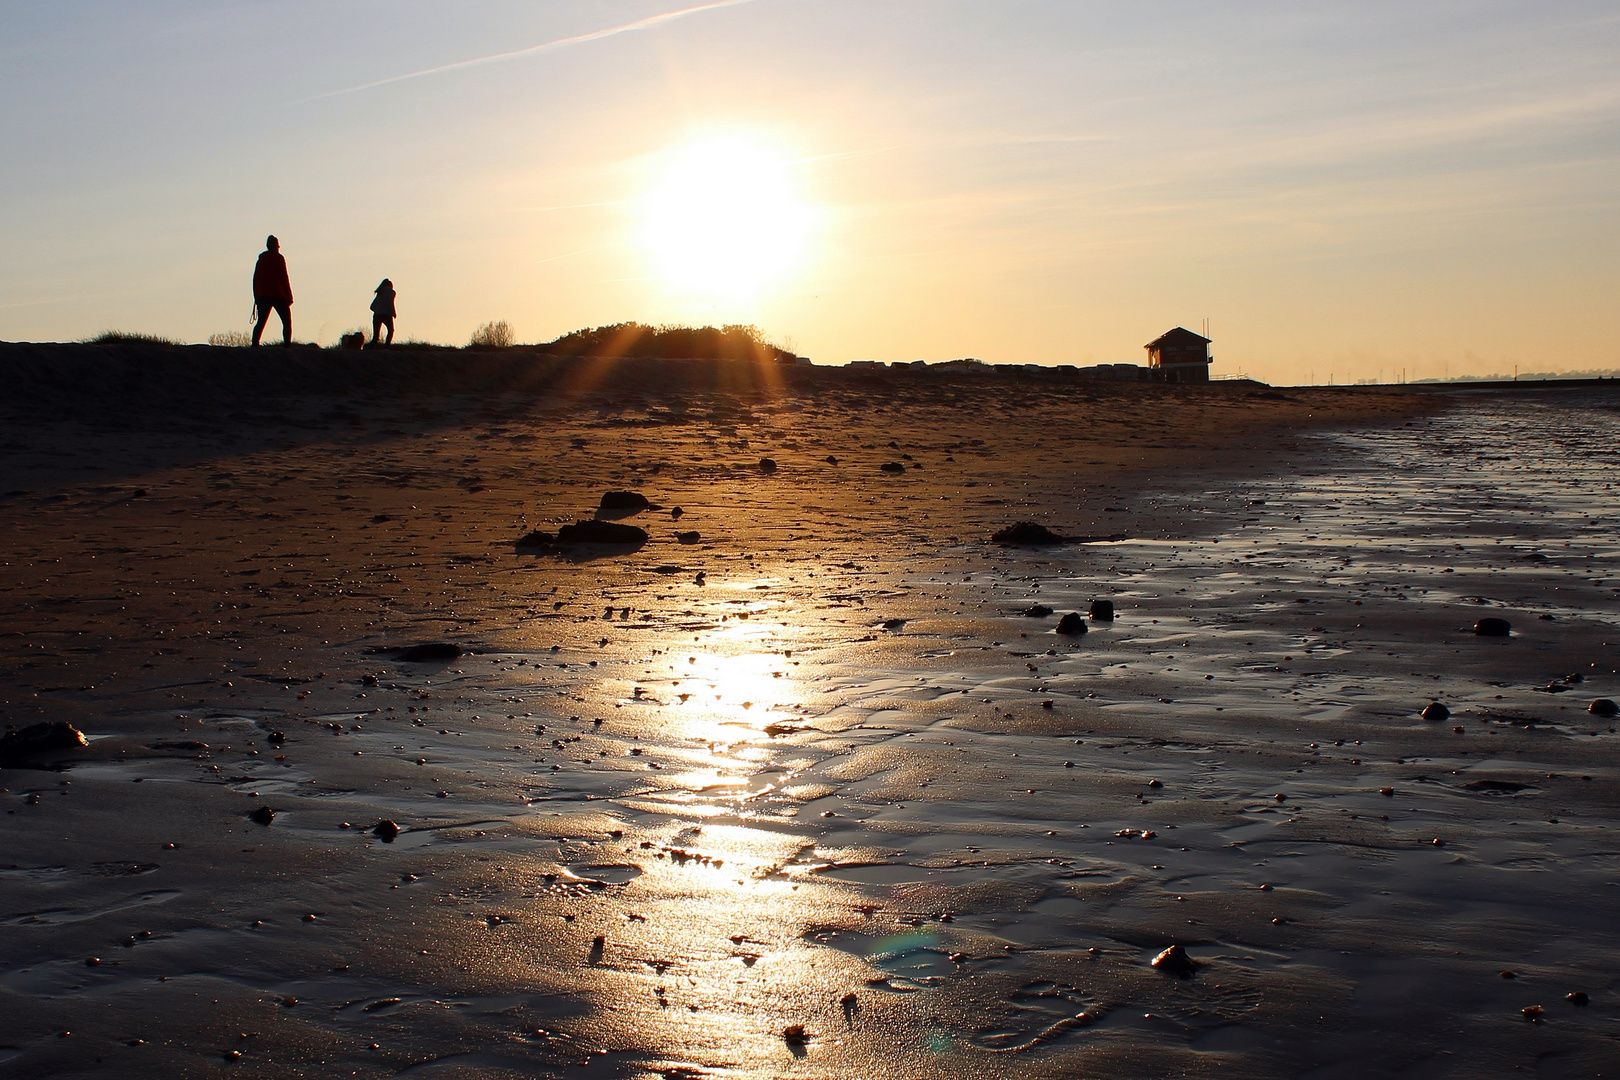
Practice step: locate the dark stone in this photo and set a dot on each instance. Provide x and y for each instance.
(677, 512)
(624, 500)
(1027, 532)
(429, 651)
(766, 465)
(892, 467)
(592, 531)
(1436, 711)
(1102, 609)
(1578, 999)
(276, 738)
(385, 830)
(1175, 961)
(19, 749)
(368, 680)
(1037, 611)
(831, 460)
(536, 539)
(1072, 624)
(690, 537)
(378, 519)
(263, 815)
(1493, 627)
(1604, 707)
(1495, 787)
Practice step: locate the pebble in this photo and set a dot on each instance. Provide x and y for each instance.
(1604, 707)
(767, 465)
(1037, 611)
(691, 536)
(263, 815)
(892, 467)
(1072, 624)
(1436, 712)
(1493, 627)
(1102, 609)
(385, 830)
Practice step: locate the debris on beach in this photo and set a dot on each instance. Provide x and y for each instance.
(1072, 624)
(892, 467)
(624, 500)
(1175, 961)
(691, 536)
(1102, 610)
(29, 745)
(1436, 712)
(767, 465)
(1037, 611)
(1493, 627)
(592, 531)
(1028, 533)
(428, 652)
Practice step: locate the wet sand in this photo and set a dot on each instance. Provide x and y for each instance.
(817, 768)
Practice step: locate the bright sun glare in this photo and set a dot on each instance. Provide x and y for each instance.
(726, 219)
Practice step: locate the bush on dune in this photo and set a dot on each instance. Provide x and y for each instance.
(120, 337)
(493, 335)
(734, 342)
(231, 339)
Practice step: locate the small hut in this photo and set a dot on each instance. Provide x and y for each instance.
(1179, 356)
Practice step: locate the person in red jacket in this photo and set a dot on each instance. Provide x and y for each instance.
(272, 290)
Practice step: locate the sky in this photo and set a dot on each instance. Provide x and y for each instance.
(1346, 191)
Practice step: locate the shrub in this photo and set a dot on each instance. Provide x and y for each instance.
(230, 339)
(120, 337)
(493, 335)
(734, 342)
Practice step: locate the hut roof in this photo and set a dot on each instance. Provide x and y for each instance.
(1179, 336)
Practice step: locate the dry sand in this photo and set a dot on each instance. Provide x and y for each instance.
(817, 768)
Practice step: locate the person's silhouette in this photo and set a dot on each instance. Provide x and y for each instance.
(272, 291)
(382, 313)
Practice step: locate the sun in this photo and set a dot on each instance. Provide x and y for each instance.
(726, 218)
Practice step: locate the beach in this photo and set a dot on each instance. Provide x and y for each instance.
(818, 791)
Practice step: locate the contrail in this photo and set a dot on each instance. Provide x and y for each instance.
(549, 46)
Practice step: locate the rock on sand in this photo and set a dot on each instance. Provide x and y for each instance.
(19, 749)
(1029, 533)
(592, 531)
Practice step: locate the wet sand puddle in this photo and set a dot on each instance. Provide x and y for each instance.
(943, 840)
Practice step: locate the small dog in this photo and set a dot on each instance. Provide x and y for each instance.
(356, 340)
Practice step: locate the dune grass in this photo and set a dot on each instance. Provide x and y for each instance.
(122, 337)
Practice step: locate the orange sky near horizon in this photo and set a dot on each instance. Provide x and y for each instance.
(1364, 192)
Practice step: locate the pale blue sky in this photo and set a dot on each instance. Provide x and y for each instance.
(1353, 188)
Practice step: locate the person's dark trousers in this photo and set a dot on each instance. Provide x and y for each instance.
(280, 307)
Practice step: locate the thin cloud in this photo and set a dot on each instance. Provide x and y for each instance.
(548, 46)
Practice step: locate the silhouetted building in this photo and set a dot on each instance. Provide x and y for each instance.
(1179, 356)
